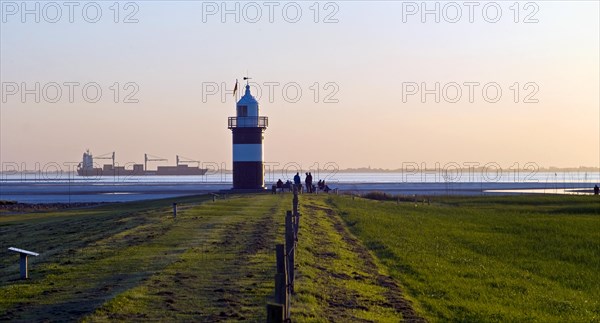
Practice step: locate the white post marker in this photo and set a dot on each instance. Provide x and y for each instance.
(24, 255)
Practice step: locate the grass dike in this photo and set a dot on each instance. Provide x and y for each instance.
(511, 258)
(134, 262)
(214, 262)
(489, 258)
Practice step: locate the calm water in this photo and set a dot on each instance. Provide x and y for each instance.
(67, 187)
(332, 177)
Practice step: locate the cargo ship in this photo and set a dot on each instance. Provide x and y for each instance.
(86, 167)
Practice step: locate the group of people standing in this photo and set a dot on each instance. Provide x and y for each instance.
(308, 181)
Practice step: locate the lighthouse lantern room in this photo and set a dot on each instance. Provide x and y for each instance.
(247, 128)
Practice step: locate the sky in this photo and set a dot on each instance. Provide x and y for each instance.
(354, 83)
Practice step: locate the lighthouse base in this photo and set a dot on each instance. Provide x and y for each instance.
(248, 175)
(244, 191)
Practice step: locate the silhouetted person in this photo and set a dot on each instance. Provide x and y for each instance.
(298, 182)
(596, 190)
(309, 184)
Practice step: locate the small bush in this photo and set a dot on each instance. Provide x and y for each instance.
(382, 196)
(379, 196)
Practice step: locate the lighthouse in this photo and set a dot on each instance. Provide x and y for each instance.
(247, 128)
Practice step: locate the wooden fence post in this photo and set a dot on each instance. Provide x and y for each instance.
(296, 215)
(275, 313)
(295, 203)
(289, 248)
(279, 312)
(280, 256)
(281, 296)
(285, 257)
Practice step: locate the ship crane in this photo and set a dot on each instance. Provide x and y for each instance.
(148, 158)
(185, 160)
(108, 156)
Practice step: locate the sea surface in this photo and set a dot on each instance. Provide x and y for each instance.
(70, 188)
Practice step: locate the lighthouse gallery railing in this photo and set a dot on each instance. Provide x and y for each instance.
(248, 122)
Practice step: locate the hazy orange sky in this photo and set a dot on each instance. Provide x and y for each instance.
(366, 61)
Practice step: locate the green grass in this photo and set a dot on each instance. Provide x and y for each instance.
(216, 262)
(133, 261)
(522, 258)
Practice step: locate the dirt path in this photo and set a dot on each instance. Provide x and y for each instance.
(337, 278)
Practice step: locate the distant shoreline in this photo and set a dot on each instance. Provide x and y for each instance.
(355, 170)
(475, 169)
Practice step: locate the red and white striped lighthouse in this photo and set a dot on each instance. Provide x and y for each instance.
(247, 128)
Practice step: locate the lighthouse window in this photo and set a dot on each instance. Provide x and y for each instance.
(242, 111)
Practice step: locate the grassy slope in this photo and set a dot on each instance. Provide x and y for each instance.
(133, 261)
(470, 259)
(521, 258)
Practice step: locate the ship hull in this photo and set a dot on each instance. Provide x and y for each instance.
(99, 172)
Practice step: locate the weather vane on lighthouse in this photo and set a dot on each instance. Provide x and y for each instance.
(247, 128)
(235, 88)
